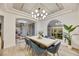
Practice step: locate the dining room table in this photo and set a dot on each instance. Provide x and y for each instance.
(42, 42)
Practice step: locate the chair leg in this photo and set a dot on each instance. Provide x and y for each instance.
(45, 53)
(57, 53)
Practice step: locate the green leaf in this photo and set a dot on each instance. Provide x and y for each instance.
(72, 29)
(70, 26)
(66, 27)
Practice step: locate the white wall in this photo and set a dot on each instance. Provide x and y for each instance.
(39, 27)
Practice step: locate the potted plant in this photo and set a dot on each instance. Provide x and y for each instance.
(68, 35)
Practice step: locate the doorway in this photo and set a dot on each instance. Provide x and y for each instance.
(24, 27)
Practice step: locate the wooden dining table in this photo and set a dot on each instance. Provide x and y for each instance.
(43, 42)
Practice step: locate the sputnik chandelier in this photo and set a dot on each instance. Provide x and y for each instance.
(39, 14)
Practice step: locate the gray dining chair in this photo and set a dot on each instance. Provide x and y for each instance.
(28, 44)
(26, 41)
(46, 36)
(38, 50)
(54, 48)
(51, 37)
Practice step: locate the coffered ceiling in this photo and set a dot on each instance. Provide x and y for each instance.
(29, 7)
(53, 9)
(50, 8)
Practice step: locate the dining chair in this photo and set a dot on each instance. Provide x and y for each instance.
(46, 36)
(51, 37)
(26, 41)
(54, 48)
(38, 50)
(28, 44)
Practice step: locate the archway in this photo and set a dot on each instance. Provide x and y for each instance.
(24, 27)
(55, 29)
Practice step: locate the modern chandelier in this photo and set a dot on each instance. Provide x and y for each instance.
(39, 14)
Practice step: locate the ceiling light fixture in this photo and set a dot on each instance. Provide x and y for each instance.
(39, 14)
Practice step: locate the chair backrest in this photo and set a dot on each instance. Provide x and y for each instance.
(46, 36)
(57, 46)
(51, 37)
(36, 48)
(29, 43)
(26, 41)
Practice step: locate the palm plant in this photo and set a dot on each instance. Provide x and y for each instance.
(67, 34)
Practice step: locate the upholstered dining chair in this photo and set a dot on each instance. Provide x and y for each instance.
(46, 36)
(54, 48)
(51, 37)
(26, 41)
(38, 50)
(28, 44)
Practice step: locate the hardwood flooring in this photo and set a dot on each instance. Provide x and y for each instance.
(25, 50)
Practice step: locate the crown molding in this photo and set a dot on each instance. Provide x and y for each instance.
(17, 12)
(59, 13)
